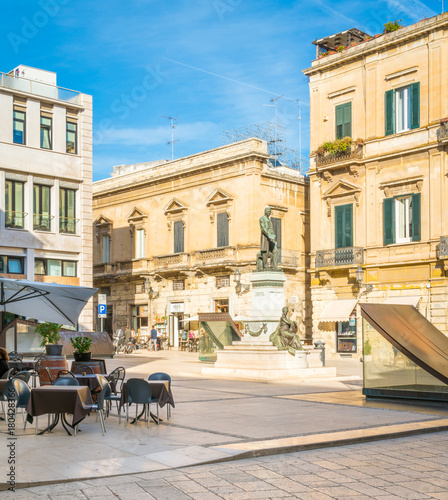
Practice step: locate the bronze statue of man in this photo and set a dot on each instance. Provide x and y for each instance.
(285, 336)
(268, 244)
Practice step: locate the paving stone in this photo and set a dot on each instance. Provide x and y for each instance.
(169, 493)
(130, 492)
(404, 492)
(337, 491)
(189, 486)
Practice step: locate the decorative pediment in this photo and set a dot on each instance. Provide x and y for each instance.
(217, 197)
(137, 214)
(175, 206)
(341, 191)
(103, 226)
(402, 186)
(102, 220)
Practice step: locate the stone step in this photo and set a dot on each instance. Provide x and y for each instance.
(251, 347)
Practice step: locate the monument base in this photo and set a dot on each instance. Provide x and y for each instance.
(258, 360)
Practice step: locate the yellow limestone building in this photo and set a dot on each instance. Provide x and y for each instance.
(378, 203)
(169, 236)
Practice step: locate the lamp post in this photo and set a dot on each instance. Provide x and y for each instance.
(360, 280)
(239, 287)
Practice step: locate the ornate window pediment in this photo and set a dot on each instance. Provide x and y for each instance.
(402, 186)
(176, 210)
(342, 191)
(137, 219)
(103, 226)
(219, 202)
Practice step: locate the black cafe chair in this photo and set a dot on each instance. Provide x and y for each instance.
(163, 376)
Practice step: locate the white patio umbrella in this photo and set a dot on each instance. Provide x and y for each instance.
(44, 301)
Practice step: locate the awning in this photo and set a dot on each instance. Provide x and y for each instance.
(410, 300)
(338, 310)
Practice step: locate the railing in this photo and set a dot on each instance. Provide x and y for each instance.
(15, 220)
(42, 222)
(204, 256)
(68, 225)
(442, 133)
(173, 260)
(339, 257)
(39, 88)
(442, 248)
(355, 152)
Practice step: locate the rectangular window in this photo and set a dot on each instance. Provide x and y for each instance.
(346, 335)
(401, 219)
(402, 109)
(71, 137)
(68, 268)
(178, 285)
(14, 205)
(277, 223)
(105, 240)
(11, 265)
(40, 267)
(67, 211)
(178, 237)
(55, 267)
(18, 127)
(344, 120)
(222, 226)
(41, 208)
(45, 132)
(343, 226)
(140, 244)
(222, 281)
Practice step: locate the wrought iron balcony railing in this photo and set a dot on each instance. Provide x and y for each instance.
(442, 133)
(354, 153)
(15, 220)
(442, 248)
(339, 257)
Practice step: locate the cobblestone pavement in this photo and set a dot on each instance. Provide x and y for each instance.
(412, 468)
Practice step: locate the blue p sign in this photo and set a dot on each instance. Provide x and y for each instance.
(102, 310)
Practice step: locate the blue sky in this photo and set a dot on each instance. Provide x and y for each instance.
(213, 64)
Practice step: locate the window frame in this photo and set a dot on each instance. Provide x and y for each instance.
(390, 223)
(46, 127)
(222, 230)
(18, 120)
(341, 109)
(5, 264)
(64, 210)
(13, 203)
(67, 131)
(62, 266)
(40, 203)
(179, 242)
(390, 109)
(140, 243)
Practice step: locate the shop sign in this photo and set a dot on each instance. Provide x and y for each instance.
(177, 307)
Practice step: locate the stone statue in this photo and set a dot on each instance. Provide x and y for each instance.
(285, 337)
(268, 244)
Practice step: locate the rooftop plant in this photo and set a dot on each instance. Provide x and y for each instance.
(392, 26)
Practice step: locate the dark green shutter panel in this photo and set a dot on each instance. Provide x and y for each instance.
(223, 230)
(348, 120)
(339, 227)
(415, 105)
(348, 226)
(389, 112)
(277, 224)
(416, 217)
(389, 221)
(178, 237)
(339, 121)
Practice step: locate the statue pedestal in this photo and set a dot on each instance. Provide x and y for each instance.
(254, 357)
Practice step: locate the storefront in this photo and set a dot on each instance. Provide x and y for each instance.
(140, 320)
(175, 322)
(343, 314)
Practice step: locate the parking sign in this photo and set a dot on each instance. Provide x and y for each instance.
(102, 306)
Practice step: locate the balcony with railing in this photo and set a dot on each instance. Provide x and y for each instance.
(15, 220)
(42, 222)
(39, 88)
(340, 257)
(442, 248)
(171, 261)
(214, 256)
(121, 268)
(354, 152)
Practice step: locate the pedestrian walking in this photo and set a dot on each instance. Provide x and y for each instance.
(153, 339)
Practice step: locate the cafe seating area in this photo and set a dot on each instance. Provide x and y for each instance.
(72, 397)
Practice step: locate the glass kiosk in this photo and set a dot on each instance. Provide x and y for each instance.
(216, 330)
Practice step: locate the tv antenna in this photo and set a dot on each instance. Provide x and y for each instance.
(274, 100)
(173, 124)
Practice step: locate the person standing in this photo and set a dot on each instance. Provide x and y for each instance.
(153, 339)
(127, 334)
(4, 367)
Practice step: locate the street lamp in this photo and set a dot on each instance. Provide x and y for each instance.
(152, 294)
(239, 287)
(359, 276)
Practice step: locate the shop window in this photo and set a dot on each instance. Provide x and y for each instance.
(344, 120)
(402, 109)
(402, 219)
(346, 335)
(222, 305)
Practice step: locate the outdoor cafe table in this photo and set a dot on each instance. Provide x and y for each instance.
(90, 380)
(22, 365)
(159, 389)
(59, 400)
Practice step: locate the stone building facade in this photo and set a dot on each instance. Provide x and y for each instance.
(168, 236)
(45, 181)
(378, 204)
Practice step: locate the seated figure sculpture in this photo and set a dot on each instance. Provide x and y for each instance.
(285, 336)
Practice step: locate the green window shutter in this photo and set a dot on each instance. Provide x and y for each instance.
(389, 112)
(178, 237)
(348, 121)
(416, 217)
(415, 105)
(343, 226)
(339, 121)
(389, 221)
(223, 230)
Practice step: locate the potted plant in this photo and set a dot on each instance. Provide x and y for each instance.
(50, 335)
(367, 351)
(81, 346)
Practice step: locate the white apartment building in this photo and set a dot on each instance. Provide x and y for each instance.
(45, 181)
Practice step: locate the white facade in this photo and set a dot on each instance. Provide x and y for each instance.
(45, 181)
